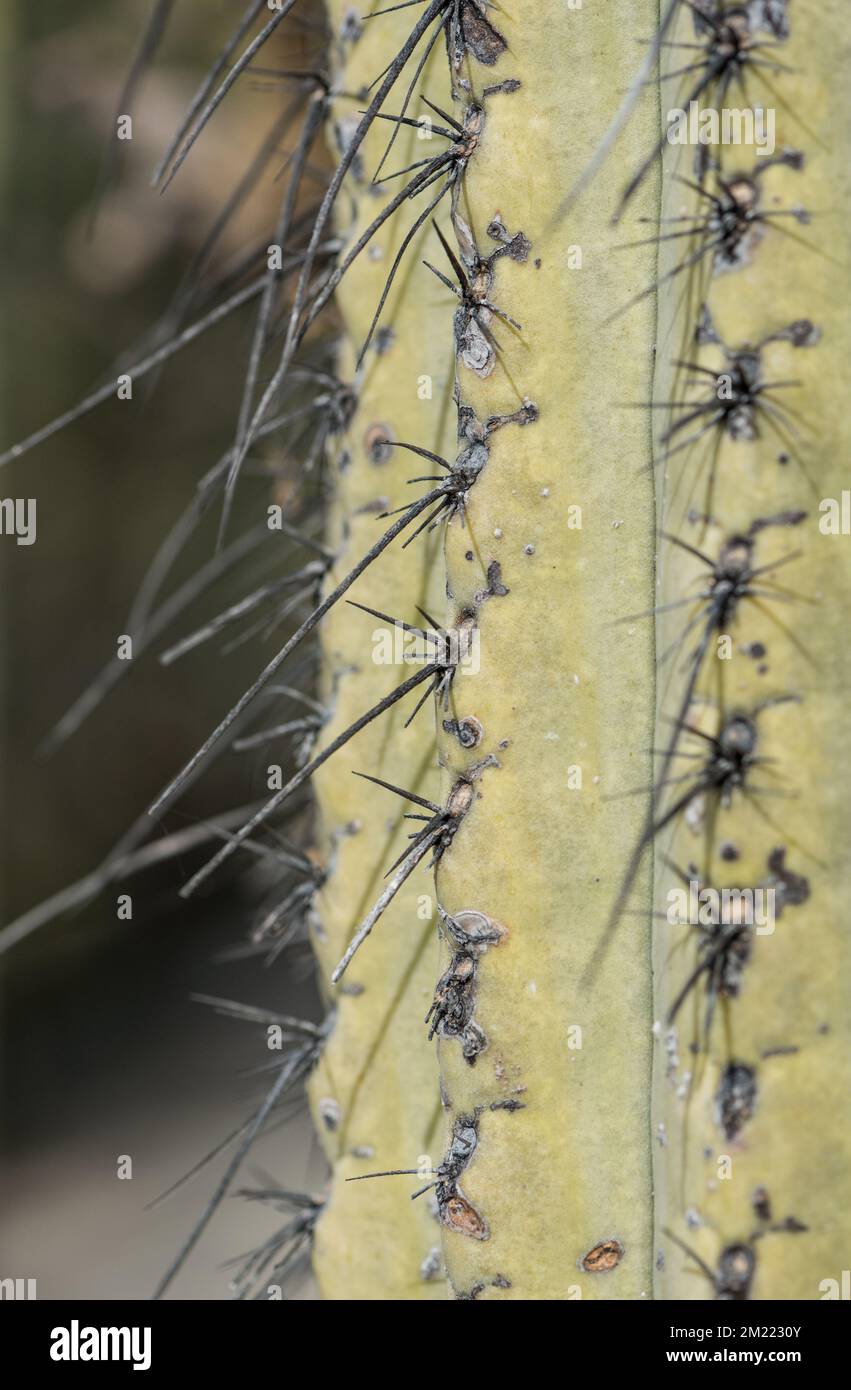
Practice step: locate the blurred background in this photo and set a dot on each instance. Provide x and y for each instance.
(104, 1053)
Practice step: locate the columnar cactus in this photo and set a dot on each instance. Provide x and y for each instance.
(580, 938)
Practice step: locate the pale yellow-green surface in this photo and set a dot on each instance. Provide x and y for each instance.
(559, 688)
(561, 1092)
(797, 1145)
(378, 1066)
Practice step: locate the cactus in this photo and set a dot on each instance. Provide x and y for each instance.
(560, 535)
(754, 1064)
(611, 360)
(374, 1093)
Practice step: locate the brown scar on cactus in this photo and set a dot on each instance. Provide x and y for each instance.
(378, 443)
(603, 1257)
(470, 31)
(454, 1210)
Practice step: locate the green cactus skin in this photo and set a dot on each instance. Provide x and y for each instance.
(633, 366)
(562, 1184)
(375, 1093)
(550, 1020)
(785, 1153)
